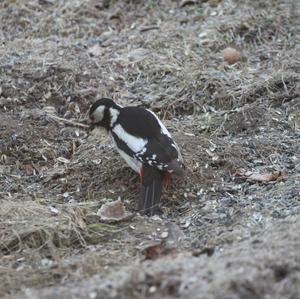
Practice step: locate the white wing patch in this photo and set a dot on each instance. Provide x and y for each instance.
(163, 129)
(136, 144)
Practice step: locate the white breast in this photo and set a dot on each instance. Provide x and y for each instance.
(134, 164)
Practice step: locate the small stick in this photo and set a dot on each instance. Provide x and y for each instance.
(144, 29)
(68, 122)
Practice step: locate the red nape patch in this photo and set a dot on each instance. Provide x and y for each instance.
(167, 177)
(141, 173)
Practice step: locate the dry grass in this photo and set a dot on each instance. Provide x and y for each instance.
(42, 244)
(59, 56)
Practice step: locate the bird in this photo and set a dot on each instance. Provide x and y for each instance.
(144, 143)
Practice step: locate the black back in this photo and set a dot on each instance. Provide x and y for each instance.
(139, 122)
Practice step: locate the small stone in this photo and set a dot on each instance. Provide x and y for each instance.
(164, 235)
(186, 224)
(92, 295)
(231, 55)
(54, 211)
(152, 289)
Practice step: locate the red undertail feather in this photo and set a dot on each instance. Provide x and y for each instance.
(142, 173)
(167, 177)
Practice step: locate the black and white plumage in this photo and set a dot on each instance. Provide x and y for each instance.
(144, 143)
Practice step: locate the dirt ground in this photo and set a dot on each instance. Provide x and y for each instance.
(230, 228)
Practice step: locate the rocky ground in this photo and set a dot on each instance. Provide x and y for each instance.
(230, 228)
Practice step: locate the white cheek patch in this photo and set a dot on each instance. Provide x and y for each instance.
(136, 144)
(98, 114)
(163, 129)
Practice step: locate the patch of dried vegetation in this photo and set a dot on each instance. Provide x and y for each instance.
(58, 56)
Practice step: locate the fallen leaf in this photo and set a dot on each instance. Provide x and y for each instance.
(209, 251)
(137, 54)
(157, 250)
(95, 50)
(113, 211)
(8, 258)
(29, 169)
(54, 173)
(261, 177)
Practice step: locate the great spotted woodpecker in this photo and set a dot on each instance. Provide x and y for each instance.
(144, 143)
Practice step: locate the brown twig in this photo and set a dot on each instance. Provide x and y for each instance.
(69, 122)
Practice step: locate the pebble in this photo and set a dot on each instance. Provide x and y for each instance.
(164, 235)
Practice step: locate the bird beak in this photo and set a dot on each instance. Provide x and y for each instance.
(88, 123)
(91, 128)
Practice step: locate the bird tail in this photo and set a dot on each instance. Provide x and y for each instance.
(152, 182)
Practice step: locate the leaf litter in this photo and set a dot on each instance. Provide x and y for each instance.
(166, 56)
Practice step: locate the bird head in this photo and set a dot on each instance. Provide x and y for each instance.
(103, 113)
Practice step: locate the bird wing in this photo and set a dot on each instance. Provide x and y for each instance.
(160, 152)
(140, 122)
(141, 135)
